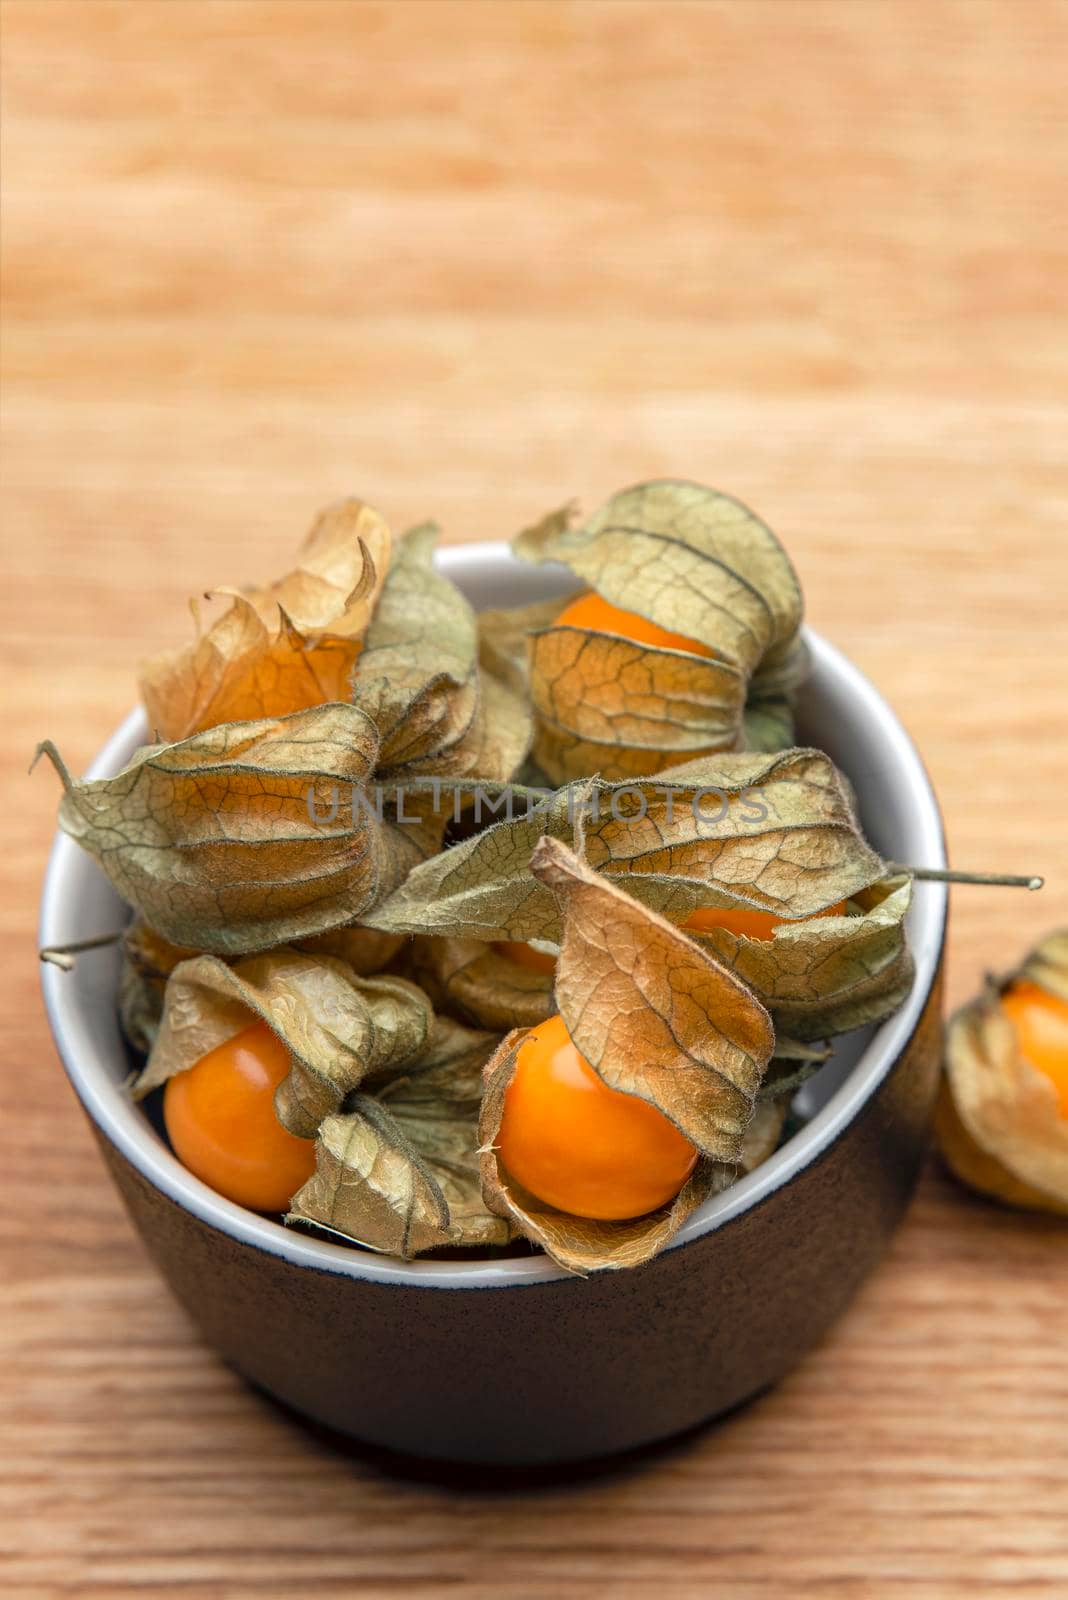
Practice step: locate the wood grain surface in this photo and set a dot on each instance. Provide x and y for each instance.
(469, 260)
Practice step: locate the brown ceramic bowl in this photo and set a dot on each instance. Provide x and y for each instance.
(515, 1360)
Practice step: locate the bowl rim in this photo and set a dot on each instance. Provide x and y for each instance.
(125, 1126)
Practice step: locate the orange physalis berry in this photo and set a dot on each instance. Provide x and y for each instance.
(748, 921)
(599, 616)
(525, 955)
(221, 1122)
(580, 1146)
(1041, 1023)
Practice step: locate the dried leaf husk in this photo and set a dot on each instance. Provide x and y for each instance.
(501, 735)
(699, 564)
(503, 636)
(826, 975)
(762, 1136)
(246, 836)
(608, 705)
(491, 751)
(477, 983)
(999, 1122)
(654, 1017)
(338, 1028)
(417, 674)
(653, 1014)
(691, 559)
(398, 1170)
(768, 723)
(147, 962)
(774, 832)
(280, 649)
(365, 950)
(788, 843)
(481, 888)
(1047, 965)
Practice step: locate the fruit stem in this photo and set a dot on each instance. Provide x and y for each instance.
(1006, 880)
(62, 955)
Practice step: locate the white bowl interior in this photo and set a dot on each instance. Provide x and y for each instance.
(838, 710)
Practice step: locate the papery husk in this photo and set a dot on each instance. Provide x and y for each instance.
(654, 1017)
(768, 723)
(213, 841)
(477, 983)
(652, 1014)
(827, 975)
(417, 674)
(504, 724)
(819, 976)
(491, 751)
(398, 1170)
(999, 1123)
(283, 648)
(338, 1028)
(365, 950)
(608, 705)
(147, 962)
(803, 854)
(503, 635)
(698, 563)
(1046, 965)
(761, 1138)
(481, 888)
(689, 558)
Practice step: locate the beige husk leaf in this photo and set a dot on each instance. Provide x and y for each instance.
(827, 975)
(448, 705)
(245, 836)
(689, 558)
(772, 831)
(147, 962)
(761, 1138)
(999, 1121)
(768, 723)
(776, 832)
(503, 636)
(398, 1170)
(365, 950)
(608, 705)
(417, 674)
(337, 1027)
(700, 564)
(499, 739)
(654, 1017)
(478, 984)
(284, 648)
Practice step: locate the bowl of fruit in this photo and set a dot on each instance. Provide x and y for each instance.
(498, 977)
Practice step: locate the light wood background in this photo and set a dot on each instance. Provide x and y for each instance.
(468, 260)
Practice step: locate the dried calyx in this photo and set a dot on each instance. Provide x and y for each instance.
(782, 839)
(699, 566)
(655, 1017)
(1003, 1112)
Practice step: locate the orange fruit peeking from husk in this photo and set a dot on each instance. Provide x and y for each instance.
(581, 1146)
(221, 1122)
(1002, 1120)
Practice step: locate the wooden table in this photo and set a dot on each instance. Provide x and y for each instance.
(469, 260)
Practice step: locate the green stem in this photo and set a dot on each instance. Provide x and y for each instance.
(1006, 880)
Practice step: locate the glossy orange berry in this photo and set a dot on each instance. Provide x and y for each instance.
(599, 616)
(221, 1122)
(579, 1145)
(525, 955)
(1041, 1023)
(745, 920)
